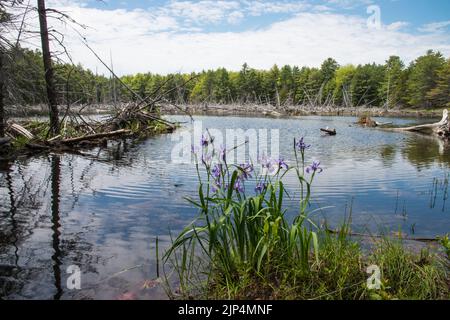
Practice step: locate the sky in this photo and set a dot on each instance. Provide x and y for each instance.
(186, 36)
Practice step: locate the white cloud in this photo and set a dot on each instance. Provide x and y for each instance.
(200, 12)
(349, 4)
(235, 17)
(149, 41)
(397, 25)
(257, 8)
(435, 27)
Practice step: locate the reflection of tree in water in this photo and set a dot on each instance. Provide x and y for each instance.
(41, 192)
(14, 226)
(56, 177)
(116, 153)
(24, 188)
(388, 153)
(424, 151)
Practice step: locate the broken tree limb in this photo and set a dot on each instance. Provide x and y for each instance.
(441, 128)
(331, 132)
(95, 136)
(35, 146)
(21, 131)
(54, 138)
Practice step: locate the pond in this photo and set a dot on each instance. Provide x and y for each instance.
(103, 211)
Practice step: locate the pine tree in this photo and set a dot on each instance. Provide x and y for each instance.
(423, 78)
(393, 87)
(440, 95)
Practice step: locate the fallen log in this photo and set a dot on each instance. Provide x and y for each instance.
(35, 146)
(441, 128)
(329, 131)
(95, 136)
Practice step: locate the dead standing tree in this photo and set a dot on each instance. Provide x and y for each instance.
(4, 20)
(49, 76)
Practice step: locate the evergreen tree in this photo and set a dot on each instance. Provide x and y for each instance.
(440, 95)
(393, 86)
(343, 79)
(423, 78)
(328, 71)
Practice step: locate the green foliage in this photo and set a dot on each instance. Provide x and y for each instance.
(445, 242)
(393, 86)
(365, 85)
(406, 275)
(440, 94)
(343, 80)
(74, 84)
(423, 77)
(425, 84)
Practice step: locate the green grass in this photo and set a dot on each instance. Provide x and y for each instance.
(408, 275)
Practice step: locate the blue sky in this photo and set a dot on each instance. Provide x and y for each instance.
(192, 35)
(415, 12)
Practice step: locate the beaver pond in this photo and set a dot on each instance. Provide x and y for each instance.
(103, 210)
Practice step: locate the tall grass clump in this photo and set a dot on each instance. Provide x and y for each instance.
(244, 246)
(242, 227)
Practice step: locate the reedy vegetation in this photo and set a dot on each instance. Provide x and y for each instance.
(243, 245)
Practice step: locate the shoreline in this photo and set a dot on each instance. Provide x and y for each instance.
(240, 110)
(267, 111)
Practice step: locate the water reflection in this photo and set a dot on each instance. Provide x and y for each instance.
(56, 175)
(101, 210)
(424, 151)
(388, 154)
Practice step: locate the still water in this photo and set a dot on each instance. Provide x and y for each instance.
(102, 211)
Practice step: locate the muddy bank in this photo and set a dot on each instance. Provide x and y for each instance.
(271, 111)
(237, 110)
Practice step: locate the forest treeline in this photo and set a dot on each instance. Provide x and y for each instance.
(424, 83)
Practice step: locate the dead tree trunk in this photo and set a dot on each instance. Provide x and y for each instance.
(441, 128)
(2, 105)
(49, 78)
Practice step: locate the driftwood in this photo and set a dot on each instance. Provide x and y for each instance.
(331, 132)
(441, 128)
(21, 131)
(95, 136)
(379, 124)
(367, 121)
